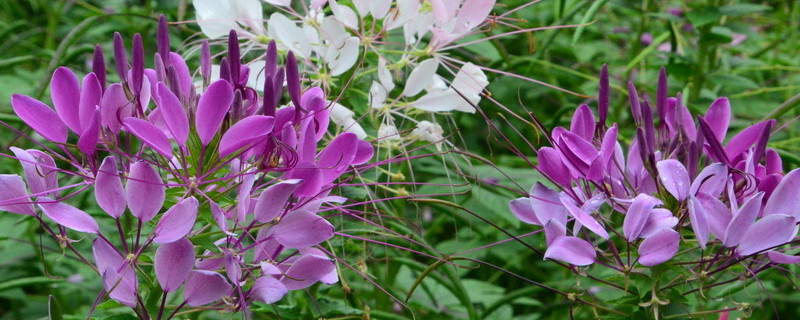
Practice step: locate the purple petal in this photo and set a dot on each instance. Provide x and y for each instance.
(571, 250)
(204, 287)
(33, 173)
(273, 199)
(744, 139)
(697, 216)
(106, 256)
(311, 176)
(66, 95)
(337, 156)
(674, 177)
(185, 77)
(121, 286)
(583, 122)
(244, 197)
(244, 133)
(173, 262)
(364, 152)
(779, 257)
(743, 220)
(773, 162)
(302, 228)
(637, 215)
(219, 216)
(659, 248)
(546, 204)
(87, 142)
(767, 232)
(711, 180)
(91, 92)
(177, 222)
(68, 216)
(150, 135)
(719, 117)
(718, 214)
(552, 165)
(173, 114)
(523, 210)
(585, 219)
(658, 219)
(108, 189)
(784, 199)
(13, 196)
(306, 271)
(554, 230)
(46, 167)
(145, 191)
(268, 290)
(40, 118)
(114, 106)
(211, 109)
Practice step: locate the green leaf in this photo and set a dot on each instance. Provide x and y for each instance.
(731, 82)
(53, 309)
(704, 16)
(121, 317)
(741, 9)
(718, 35)
(26, 282)
(586, 18)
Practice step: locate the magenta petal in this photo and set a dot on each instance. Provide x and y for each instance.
(13, 196)
(114, 106)
(785, 199)
(182, 70)
(306, 271)
(337, 156)
(523, 210)
(779, 257)
(767, 232)
(302, 228)
(273, 199)
(87, 143)
(745, 139)
(108, 189)
(552, 165)
(244, 133)
(66, 95)
(173, 114)
(571, 250)
(659, 248)
(311, 176)
(204, 287)
(637, 215)
(718, 117)
(212, 108)
(106, 256)
(583, 122)
(554, 230)
(364, 152)
(40, 117)
(145, 191)
(46, 166)
(585, 219)
(68, 216)
(742, 221)
(121, 286)
(547, 205)
(177, 222)
(697, 216)
(150, 135)
(674, 177)
(219, 217)
(173, 262)
(33, 173)
(268, 290)
(91, 92)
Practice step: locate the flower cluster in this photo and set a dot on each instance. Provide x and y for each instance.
(236, 170)
(397, 41)
(677, 185)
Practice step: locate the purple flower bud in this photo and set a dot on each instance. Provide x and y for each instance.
(162, 36)
(225, 70)
(120, 58)
(137, 68)
(602, 96)
(205, 61)
(293, 83)
(173, 262)
(271, 63)
(234, 59)
(636, 109)
(99, 66)
(661, 95)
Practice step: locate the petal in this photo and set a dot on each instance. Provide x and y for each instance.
(718, 117)
(273, 199)
(33, 174)
(145, 191)
(658, 219)
(13, 196)
(311, 176)
(114, 106)
(585, 219)
(674, 177)
(583, 122)
(173, 262)
(659, 248)
(177, 222)
(768, 232)
(744, 139)
(268, 290)
(106, 256)
(697, 216)
(785, 199)
(204, 287)
(121, 286)
(150, 135)
(554, 230)
(337, 156)
(571, 250)
(547, 205)
(108, 189)
(779, 257)
(211, 109)
(244, 133)
(39, 117)
(68, 216)
(306, 271)
(91, 92)
(523, 210)
(173, 114)
(742, 221)
(364, 152)
(472, 13)
(66, 95)
(552, 165)
(419, 78)
(302, 228)
(711, 180)
(637, 215)
(87, 143)
(718, 214)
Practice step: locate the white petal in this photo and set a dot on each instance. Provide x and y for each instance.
(377, 95)
(379, 8)
(347, 57)
(289, 34)
(384, 75)
(215, 18)
(420, 77)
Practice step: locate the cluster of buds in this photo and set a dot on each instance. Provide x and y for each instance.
(399, 42)
(229, 166)
(679, 187)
